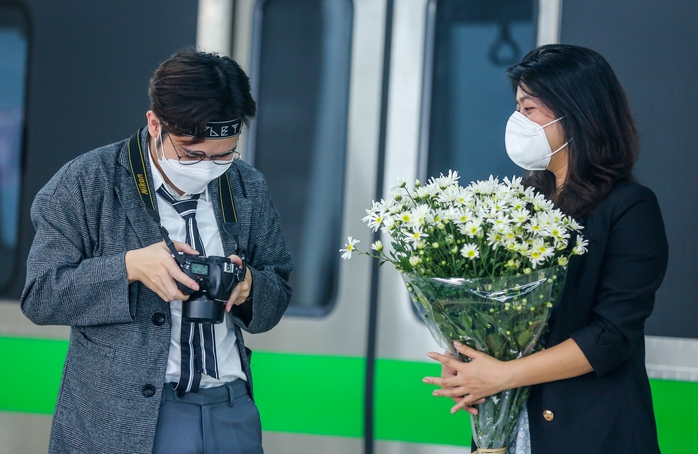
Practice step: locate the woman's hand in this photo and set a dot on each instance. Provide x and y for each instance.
(469, 383)
(447, 372)
(484, 376)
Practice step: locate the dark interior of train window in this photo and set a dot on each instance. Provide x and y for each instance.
(300, 75)
(13, 68)
(469, 98)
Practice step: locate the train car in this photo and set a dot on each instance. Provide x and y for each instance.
(352, 94)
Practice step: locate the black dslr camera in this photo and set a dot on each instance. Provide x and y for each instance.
(216, 276)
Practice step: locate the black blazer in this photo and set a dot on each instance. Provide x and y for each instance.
(608, 294)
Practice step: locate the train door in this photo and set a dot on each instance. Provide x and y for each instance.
(343, 367)
(449, 102)
(316, 72)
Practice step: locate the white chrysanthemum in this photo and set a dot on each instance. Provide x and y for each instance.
(420, 215)
(470, 251)
(516, 183)
(500, 205)
(471, 228)
(447, 195)
(484, 187)
(508, 234)
(520, 215)
(535, 227)
(462, 197)
(433, 221)
(517, 204)
(415, 260)
(401, 182)
(451, 214)
(580, 247)
(494, 239)
(397, 194)
(522, 248)
(536, 258)
(376, 215)
(571, 223)
(501, 222)
(388, 224)
(433, 189)
(423, 193)
(557, 216)
(463, 216)
(449, 180)
(512, 246)
(546, 218)
(558, 232)
(540, 203)
(349, 248)
(544, 248)
(539, 252)
(414, 235)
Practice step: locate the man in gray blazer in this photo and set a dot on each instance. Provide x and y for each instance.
(139, 377)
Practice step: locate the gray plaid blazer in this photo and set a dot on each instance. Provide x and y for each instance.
(86, 218)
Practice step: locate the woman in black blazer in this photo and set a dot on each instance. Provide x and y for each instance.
(590, 392)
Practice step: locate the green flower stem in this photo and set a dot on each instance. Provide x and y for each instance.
(503, 317)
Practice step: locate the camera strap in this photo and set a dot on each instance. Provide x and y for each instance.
(136, 160)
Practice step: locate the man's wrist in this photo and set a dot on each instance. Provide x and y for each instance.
(130, 263)
(249, 296)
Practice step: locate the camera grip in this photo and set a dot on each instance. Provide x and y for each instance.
(184, 289)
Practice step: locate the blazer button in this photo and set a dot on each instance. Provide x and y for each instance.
(548, 415)
(148, 390)
(158, 319)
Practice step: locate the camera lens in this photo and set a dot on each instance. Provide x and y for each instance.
(199, 309)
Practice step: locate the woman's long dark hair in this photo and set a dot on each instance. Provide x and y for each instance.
(579, 85)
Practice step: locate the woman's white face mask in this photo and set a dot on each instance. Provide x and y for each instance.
(191, 179)
(526, 143)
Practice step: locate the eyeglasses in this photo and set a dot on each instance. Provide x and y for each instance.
(194, 157)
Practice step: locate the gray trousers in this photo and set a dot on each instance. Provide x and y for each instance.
(212, 421)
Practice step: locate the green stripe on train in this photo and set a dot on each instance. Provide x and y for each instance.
(323, 395)
(32, 371)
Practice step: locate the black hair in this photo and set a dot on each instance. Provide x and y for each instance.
(579, 85)
(193, 88)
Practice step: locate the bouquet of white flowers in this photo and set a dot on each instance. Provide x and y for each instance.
(485, 265)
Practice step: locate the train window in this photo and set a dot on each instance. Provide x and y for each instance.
(470, 44)
(13, 74)
(300, 75)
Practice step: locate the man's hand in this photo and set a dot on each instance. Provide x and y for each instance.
(242, 290)
(155, 267)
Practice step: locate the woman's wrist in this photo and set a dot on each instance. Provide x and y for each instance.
(511, 373)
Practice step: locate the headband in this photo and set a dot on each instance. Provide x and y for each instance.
(215, 129)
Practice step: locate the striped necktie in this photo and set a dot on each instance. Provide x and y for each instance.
(195, 359)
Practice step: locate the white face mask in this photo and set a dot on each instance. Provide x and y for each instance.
(527, 144)
(191, 179)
